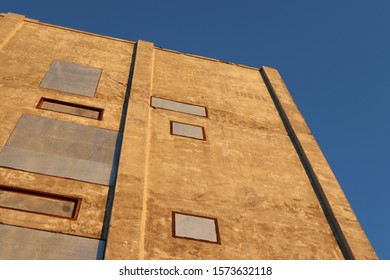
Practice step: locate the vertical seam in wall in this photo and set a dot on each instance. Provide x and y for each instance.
(146, 172)
(117, 154)
(322, 199)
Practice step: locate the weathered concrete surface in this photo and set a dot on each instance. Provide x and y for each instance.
(355, 237)
(246, 174)
(126, 233)
(10, 23)
(27, 49)
(90, 220)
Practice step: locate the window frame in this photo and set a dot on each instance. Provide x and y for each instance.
(59, 83)
(216, 225)
(203, 130)
(70, 104)
(205, 108)
(76, 200)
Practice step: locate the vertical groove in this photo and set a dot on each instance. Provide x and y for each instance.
(118, 148)
(325, 205)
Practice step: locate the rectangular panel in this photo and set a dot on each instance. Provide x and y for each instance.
(40, 203)
(187, 130)
(70, 108)
(72, 78)
(181, 107)
(62, 149)
(195, 227)
(17, 243)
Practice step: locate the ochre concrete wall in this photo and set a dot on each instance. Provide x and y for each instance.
(27, 49)
(351, 235)
(126, 233)
(246, 174)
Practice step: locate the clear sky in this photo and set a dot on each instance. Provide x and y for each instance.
(333, 55)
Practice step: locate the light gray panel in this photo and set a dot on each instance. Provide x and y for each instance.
(72, 78)
(178, 106)
(62, 166)
(61, 149)
(62, 108)
(63, 139)
(18, 243)
(187, 130)
(46, 205)
(195, 227)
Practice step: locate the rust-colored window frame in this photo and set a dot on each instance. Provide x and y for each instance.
(196, 239)
(205, 108)
(76, 200)
(70, 104)
(203, 130)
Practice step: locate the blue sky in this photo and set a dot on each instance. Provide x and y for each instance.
(333, 56)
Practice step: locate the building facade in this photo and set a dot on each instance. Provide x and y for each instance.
(112, 149)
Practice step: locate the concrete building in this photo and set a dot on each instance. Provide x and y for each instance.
(121, 150)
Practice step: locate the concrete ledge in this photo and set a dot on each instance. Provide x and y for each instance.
(9, 25)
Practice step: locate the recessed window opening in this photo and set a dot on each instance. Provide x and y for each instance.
(195, 227)
(39, 203)
(188, 130)
(161, 103)
(70, 108)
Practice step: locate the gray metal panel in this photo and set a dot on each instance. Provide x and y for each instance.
(72, 78)
(62, 108)
(187, 130)
(18, 243)
(178, 106)
(195, 227)
(46, 205)
(61, 149)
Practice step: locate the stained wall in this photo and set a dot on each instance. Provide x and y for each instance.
(27, 50)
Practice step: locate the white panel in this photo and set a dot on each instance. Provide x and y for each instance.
(72, 78)
(178, 106)
(17, 243)
(61, 149)
(195, 227)
(187, 130)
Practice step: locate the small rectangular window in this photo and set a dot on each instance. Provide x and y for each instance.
(176, 106)
(195, 227)
(188, 130)
(39, 203)
(70, 108)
